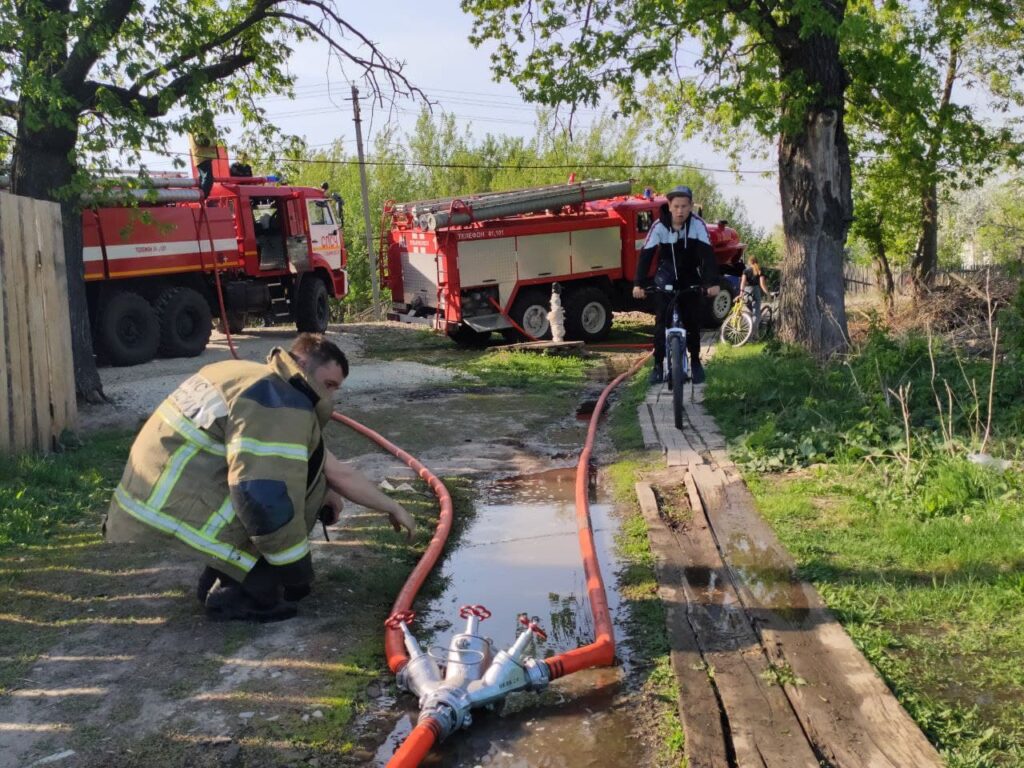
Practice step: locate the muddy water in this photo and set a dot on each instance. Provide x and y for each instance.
(519, 555)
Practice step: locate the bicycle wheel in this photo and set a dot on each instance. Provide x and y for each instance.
(737, 328)
(677, 373)
(766, 327)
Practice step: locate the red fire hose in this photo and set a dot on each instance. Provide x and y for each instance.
(394, 647)
(599, 653)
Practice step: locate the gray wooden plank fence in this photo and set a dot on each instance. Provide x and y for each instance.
(37, 386)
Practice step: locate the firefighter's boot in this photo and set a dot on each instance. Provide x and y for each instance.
(207, 579)
(229, 602)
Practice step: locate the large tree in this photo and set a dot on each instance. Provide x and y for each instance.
(931, 107)
(82, 79)
(770, 68)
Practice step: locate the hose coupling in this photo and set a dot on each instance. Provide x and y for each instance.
(449, 707)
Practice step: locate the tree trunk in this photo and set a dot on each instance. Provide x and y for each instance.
(814, 179)
(926, 257)
(883, 272)
(817, 204)
(42, 165)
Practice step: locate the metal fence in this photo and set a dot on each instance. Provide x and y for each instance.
(37, 386)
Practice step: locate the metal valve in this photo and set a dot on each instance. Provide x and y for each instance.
(473, 675)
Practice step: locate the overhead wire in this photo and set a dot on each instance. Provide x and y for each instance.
(496, 166)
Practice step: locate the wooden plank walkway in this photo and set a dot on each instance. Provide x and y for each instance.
(767, 676)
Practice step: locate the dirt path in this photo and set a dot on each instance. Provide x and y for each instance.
(131, 673)
(767, 675)
(136, 391)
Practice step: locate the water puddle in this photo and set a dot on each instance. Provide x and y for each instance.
(520, 555)
(772, 581)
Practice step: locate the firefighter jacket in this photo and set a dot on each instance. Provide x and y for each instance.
(230, 466)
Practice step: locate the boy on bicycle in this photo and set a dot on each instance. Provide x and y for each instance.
(685, 259)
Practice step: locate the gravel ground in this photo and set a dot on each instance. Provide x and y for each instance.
(137, 390)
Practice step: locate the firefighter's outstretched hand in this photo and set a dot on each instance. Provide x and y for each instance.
(638, 292)
(713, 290)
(333, 505)
(400, 519)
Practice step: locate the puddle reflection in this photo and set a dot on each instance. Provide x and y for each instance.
(521, 555)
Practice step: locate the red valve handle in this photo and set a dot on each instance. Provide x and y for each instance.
(533, 627)
(474, 610)
(395, 620)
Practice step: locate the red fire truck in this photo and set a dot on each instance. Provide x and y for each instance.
(149, 269)
(474, 265)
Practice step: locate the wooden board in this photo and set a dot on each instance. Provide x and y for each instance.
(36, 370)
(847, 710)
(760, 726)
(760, 616)
(51, 310)
(17, 325)
(698, 704)
(5, 364)
(679, 450)
(40, 416)
(647, 431)
(65, 378)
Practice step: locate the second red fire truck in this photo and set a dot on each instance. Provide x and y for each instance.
(474, 265)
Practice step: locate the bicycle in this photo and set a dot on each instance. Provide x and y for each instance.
(766, 326)
(675, 347)
(739, 327)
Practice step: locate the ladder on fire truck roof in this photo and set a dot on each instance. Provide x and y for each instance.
(452, 211)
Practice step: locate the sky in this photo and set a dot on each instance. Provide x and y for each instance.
(432, 39)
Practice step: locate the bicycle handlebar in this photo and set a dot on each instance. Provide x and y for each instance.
(670, 289)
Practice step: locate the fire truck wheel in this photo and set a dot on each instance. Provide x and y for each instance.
(129, 329)
(588, 314)
(185, 322)
(312, 312)
(530, 311)
(718, 307)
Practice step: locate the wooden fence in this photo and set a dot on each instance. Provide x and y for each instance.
(861, 279)
(37, 385)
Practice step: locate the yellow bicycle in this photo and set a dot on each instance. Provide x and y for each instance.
(738, 326)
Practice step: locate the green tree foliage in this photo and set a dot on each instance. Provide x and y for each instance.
(886, 225)
(439, 159)
(82, 82)
(930, 108)
(984, 226)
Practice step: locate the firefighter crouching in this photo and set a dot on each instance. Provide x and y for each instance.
(232, 467)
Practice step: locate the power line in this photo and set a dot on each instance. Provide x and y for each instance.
(497, 167)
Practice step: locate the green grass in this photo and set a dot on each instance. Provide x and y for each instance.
(41, 493)
(918, 551)
(624, 425)
(528, 371)
(638, 587)
(634, 329)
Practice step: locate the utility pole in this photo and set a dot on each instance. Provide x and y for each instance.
(371, 252)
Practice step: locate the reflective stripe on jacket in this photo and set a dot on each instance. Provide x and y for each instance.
(231, 466)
